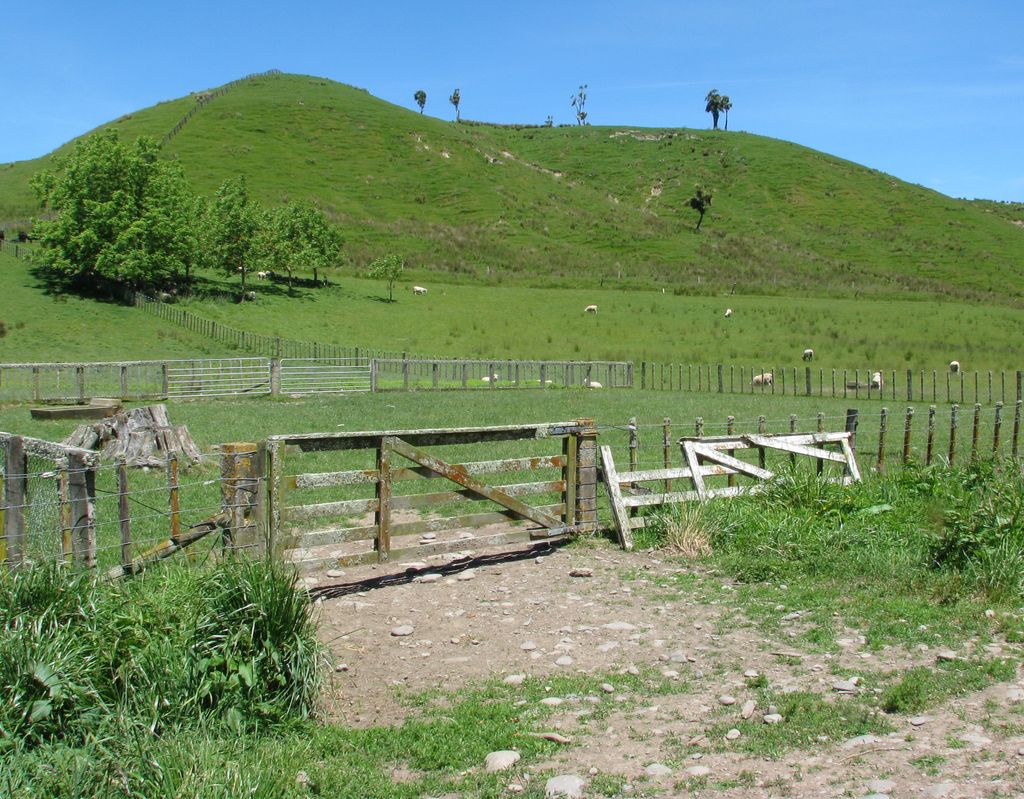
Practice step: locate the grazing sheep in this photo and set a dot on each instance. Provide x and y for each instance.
(808, 354)
(954, 367)
(250, 295)
(262, 275)
(590, 309)
(418, 290)
(764, 379)
(877, 381)
(728, 312)
(592, 383)
(493, 378)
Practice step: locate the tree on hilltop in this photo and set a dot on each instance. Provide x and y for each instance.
(455, 99)
(726, 105)
(714, 106)
(421, 99)
(122, 217)
(578, 102)
(389, 268)
(700, 202)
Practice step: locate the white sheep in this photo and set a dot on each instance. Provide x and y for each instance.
(262, 275)
(492, 378)
(250, 295)
(877, 381)
(728, 312)
(954, 367)
(419, 290)
(592, 383)
(808, 354)
(764, 379)
(590, 309)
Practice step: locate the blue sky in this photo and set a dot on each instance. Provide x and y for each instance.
(928, 90)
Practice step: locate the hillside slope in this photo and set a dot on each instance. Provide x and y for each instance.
(543, 206)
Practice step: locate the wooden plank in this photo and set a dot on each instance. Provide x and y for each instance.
(276, 487)
(611, 484)
(569, 477)
(784, 444)
(727, 460)
(317, 442)
(319, 510)
(407, 501)
(646, 500)
(369, 476)
(422, 458)
(125, 513)
(851, 460)
(82, 496)
(691, 458)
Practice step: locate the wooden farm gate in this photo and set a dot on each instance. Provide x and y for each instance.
(374, 512)
(714, 457)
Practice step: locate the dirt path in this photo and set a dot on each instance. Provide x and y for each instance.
(529, 615)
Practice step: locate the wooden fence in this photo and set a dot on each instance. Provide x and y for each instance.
(909, 385)
(370, 509)
(205, 97)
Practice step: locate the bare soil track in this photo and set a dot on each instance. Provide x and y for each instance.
(519, 614)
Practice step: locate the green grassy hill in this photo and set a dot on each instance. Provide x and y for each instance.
(569, 206)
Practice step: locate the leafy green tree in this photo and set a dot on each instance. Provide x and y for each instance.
(579, 102)
(714, 106)
(700, 202)
(726, 105)
(421, 99)
(233, 229)
(122, 217)
(455, 99)
(300, 236)
(389, 268)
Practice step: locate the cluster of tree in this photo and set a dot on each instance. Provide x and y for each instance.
(124, 218)
(717, 104)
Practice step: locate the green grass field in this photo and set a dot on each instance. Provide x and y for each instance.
(559, 206)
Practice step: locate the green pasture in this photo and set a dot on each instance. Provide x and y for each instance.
(595, 204)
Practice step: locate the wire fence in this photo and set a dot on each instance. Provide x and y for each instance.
(202, 98)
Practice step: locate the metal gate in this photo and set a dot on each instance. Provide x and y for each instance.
(325, 375)
(221, 377)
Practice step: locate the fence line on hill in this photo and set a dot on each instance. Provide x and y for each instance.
(202, 98)
(907, 385)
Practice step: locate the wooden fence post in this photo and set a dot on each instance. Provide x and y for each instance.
(164, 381)
(643, 375)
(15, 499)
(64, 511)
(931, 435)
(586, 476)
(819, 464)
(124, 382)
(910, 385)
(996, 425)
(125, 513)
(761, 429)
(1020, 385)
(721, 381)
(907, 423)
(382, 515)
(953, 421)
(82, 497)
(807, 380)
(698, 427)
(792, 429)
(851, 428)
(634, 444)
(241, 497)
(975, 430)
(275, 376)
(883, 428)
(730, 429)
(173, 495)
(666, 448)
(1016, 429)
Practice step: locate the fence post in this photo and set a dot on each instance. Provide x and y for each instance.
(382, 516)
(953, 421)
(629, 375)
(730, 429)
(124, 382)
(975, 430)
(931, 435)
(1016, 429)
(807, 381)
(15, 484)
(721, 381)
(586, 476)
(634, 443)
(434, 374)
(666, 448)
(275, 376)
(908, 421)
(996, 425)
(851, 428)
(910, 385)
(82, 497)
(543, 374)
(1020, 384)
(241, 473)
(374, 367)
(173, 495)
(124, 513)
(64, 505)
(819, 464)
(643, 375)
(792, 429)
(761, 429)
(164, 383)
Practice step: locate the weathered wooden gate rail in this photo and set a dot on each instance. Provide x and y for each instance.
(912, 385)
(401, 456)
